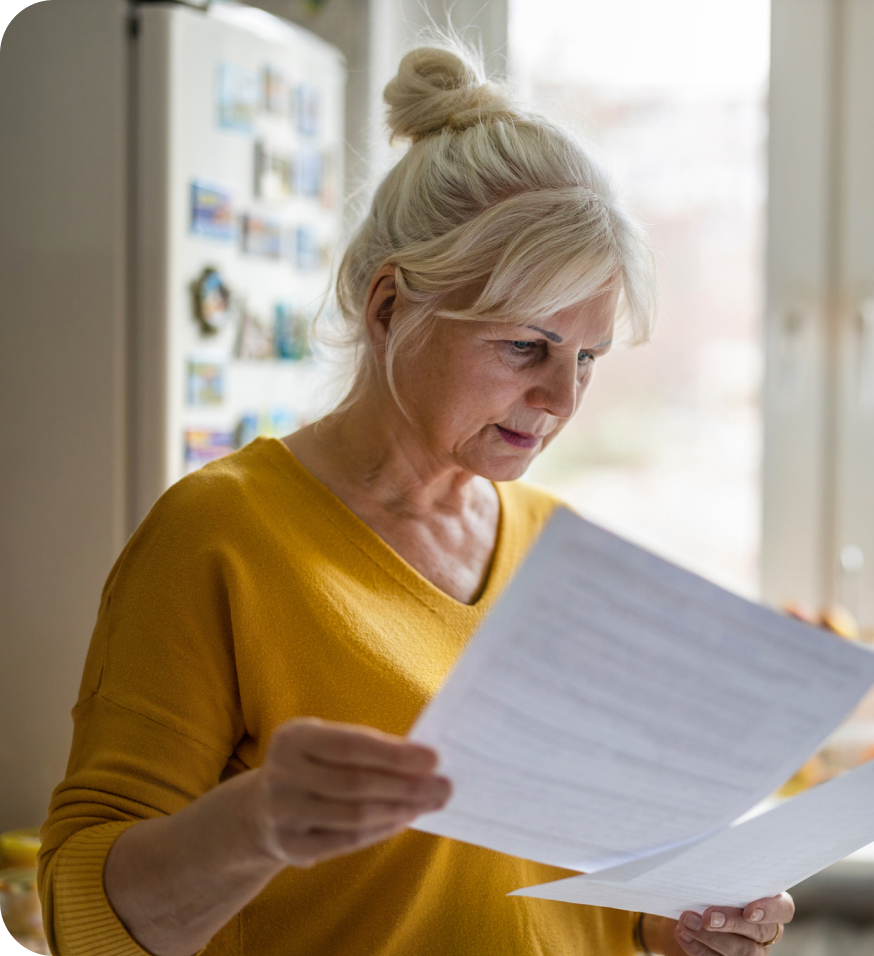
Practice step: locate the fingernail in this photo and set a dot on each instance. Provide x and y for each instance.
(685, 937)
(756, 916)
(717, 920)
(693, 921)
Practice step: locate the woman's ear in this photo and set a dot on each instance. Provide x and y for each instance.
(382, 300)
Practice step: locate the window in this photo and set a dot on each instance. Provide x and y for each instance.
(672, 97)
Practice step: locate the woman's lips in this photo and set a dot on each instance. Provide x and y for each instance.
(518, 439)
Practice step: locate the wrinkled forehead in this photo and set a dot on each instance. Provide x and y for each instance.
(548, 310)
(592, 319)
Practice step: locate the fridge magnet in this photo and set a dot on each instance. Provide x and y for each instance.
(308, 107)
(206, 383)
(292, 332)
(273, 173)
(211, 300)
(255, 339)
(212, 212)
(262, 237)
(274, 422)
(247, 429)
(237, 98)
(204, 445)
(308, 173)
(308, 255)
(274, 91)
(281, 421)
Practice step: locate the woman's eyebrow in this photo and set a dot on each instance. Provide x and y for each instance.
(552, 336)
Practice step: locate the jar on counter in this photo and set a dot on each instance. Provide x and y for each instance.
(19, 902)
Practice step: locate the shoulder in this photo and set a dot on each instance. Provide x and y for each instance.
(219, 495)
(215, 509)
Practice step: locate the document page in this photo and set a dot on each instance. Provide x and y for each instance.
(614, 705)
(761, 857)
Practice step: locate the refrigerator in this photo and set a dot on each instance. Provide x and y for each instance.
(238, 145)
(170, 209)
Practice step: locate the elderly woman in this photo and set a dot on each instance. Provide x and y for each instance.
(239, 780)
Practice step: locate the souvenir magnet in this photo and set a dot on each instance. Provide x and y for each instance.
(237, 98)
(212, 213)
(211, 300)
(273, 173)
(262, 237)
(204, 445)
(308, 107)
(274, 91)
(308, 173)
(247, 429)
(281, 421)
(206, 383)
(254, 340)
(308, 257)
(292, 332)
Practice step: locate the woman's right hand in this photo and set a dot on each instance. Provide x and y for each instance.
(324, 790)
(327, 789)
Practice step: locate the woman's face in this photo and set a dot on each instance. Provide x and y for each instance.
(489, 397)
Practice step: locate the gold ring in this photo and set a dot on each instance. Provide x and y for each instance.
(773, 939)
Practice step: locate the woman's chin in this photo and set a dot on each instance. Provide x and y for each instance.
(505, 467)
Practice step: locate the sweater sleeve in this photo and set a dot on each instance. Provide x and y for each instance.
(158, 715)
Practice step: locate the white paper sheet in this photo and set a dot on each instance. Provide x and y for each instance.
(613, 705)
(762, 857)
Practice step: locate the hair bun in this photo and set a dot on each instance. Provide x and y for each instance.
(438, 88)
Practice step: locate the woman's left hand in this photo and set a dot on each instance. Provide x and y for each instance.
(721, 930)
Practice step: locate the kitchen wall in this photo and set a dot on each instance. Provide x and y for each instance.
(63, 332)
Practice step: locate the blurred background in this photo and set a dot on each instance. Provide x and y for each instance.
(175, 182)
(668, 450)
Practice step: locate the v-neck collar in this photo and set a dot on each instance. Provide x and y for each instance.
(360, 534)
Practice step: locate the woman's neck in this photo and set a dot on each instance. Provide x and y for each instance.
(371, 449)
(437, 516)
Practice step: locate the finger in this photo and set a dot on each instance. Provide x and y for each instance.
(773, 909)
(348, 745)
(343, 783)
(318, 814)
(689, 944)
(730, 920)
(305, 850)
(703, 942)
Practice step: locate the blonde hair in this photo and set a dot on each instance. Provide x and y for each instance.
(488, 196)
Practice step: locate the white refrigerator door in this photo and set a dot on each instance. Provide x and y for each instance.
(238, 146)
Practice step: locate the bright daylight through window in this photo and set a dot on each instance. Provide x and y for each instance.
(673, 97)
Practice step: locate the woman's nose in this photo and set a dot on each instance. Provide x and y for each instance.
(558, 390)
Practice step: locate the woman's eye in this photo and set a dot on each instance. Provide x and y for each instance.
(520, 347)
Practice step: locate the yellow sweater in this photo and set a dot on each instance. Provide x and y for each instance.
(248, 596)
